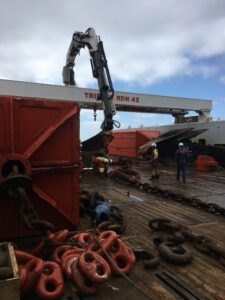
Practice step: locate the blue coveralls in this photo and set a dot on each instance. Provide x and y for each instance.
(101, 212)
(181, 160)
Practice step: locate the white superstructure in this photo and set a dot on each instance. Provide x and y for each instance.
(87, 98)
(133, 102)
(214, 133)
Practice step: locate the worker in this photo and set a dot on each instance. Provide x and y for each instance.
(154, 162)
(101, 164)
(100, 209)
(181, 157)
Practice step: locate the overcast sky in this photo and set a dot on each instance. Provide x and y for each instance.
(170, 47)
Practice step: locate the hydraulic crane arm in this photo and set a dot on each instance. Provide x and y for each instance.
(99, 68)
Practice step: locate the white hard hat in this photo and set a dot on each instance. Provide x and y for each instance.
(181, 144)
(153, 144)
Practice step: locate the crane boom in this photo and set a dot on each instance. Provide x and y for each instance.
(100, 71)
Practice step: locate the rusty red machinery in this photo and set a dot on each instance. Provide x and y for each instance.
(126, 143)
(40, 153)
(206, 163)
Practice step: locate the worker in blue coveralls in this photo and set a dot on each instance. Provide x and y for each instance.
(181, 157)
(100, 211)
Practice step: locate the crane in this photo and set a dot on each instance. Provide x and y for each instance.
(100, 71)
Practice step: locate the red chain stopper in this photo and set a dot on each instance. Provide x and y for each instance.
(94, 267)
(51, 283)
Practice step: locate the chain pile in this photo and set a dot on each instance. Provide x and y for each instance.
(183, 233)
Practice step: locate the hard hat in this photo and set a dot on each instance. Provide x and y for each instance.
(181, 145)
(153, 144)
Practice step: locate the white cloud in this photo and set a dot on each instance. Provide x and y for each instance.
(145, 42)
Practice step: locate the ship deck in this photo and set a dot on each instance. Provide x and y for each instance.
(204, 277)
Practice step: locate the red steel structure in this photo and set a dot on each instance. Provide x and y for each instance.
(126, 143)
(42, 138)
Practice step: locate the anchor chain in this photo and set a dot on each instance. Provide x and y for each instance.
(15, 186)
(29, 214)
(212, 208)
(202, 243)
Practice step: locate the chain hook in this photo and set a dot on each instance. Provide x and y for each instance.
(95, 113)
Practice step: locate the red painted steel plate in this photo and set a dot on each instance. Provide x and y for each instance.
(45, 135)
(127, 142)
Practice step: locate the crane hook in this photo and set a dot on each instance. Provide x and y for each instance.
(95, 113)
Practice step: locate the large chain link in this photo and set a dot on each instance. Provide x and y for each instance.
(202, 243)
(14, 186)
(30, 215)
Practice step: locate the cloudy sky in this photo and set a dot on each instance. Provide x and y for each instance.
(163, 47)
